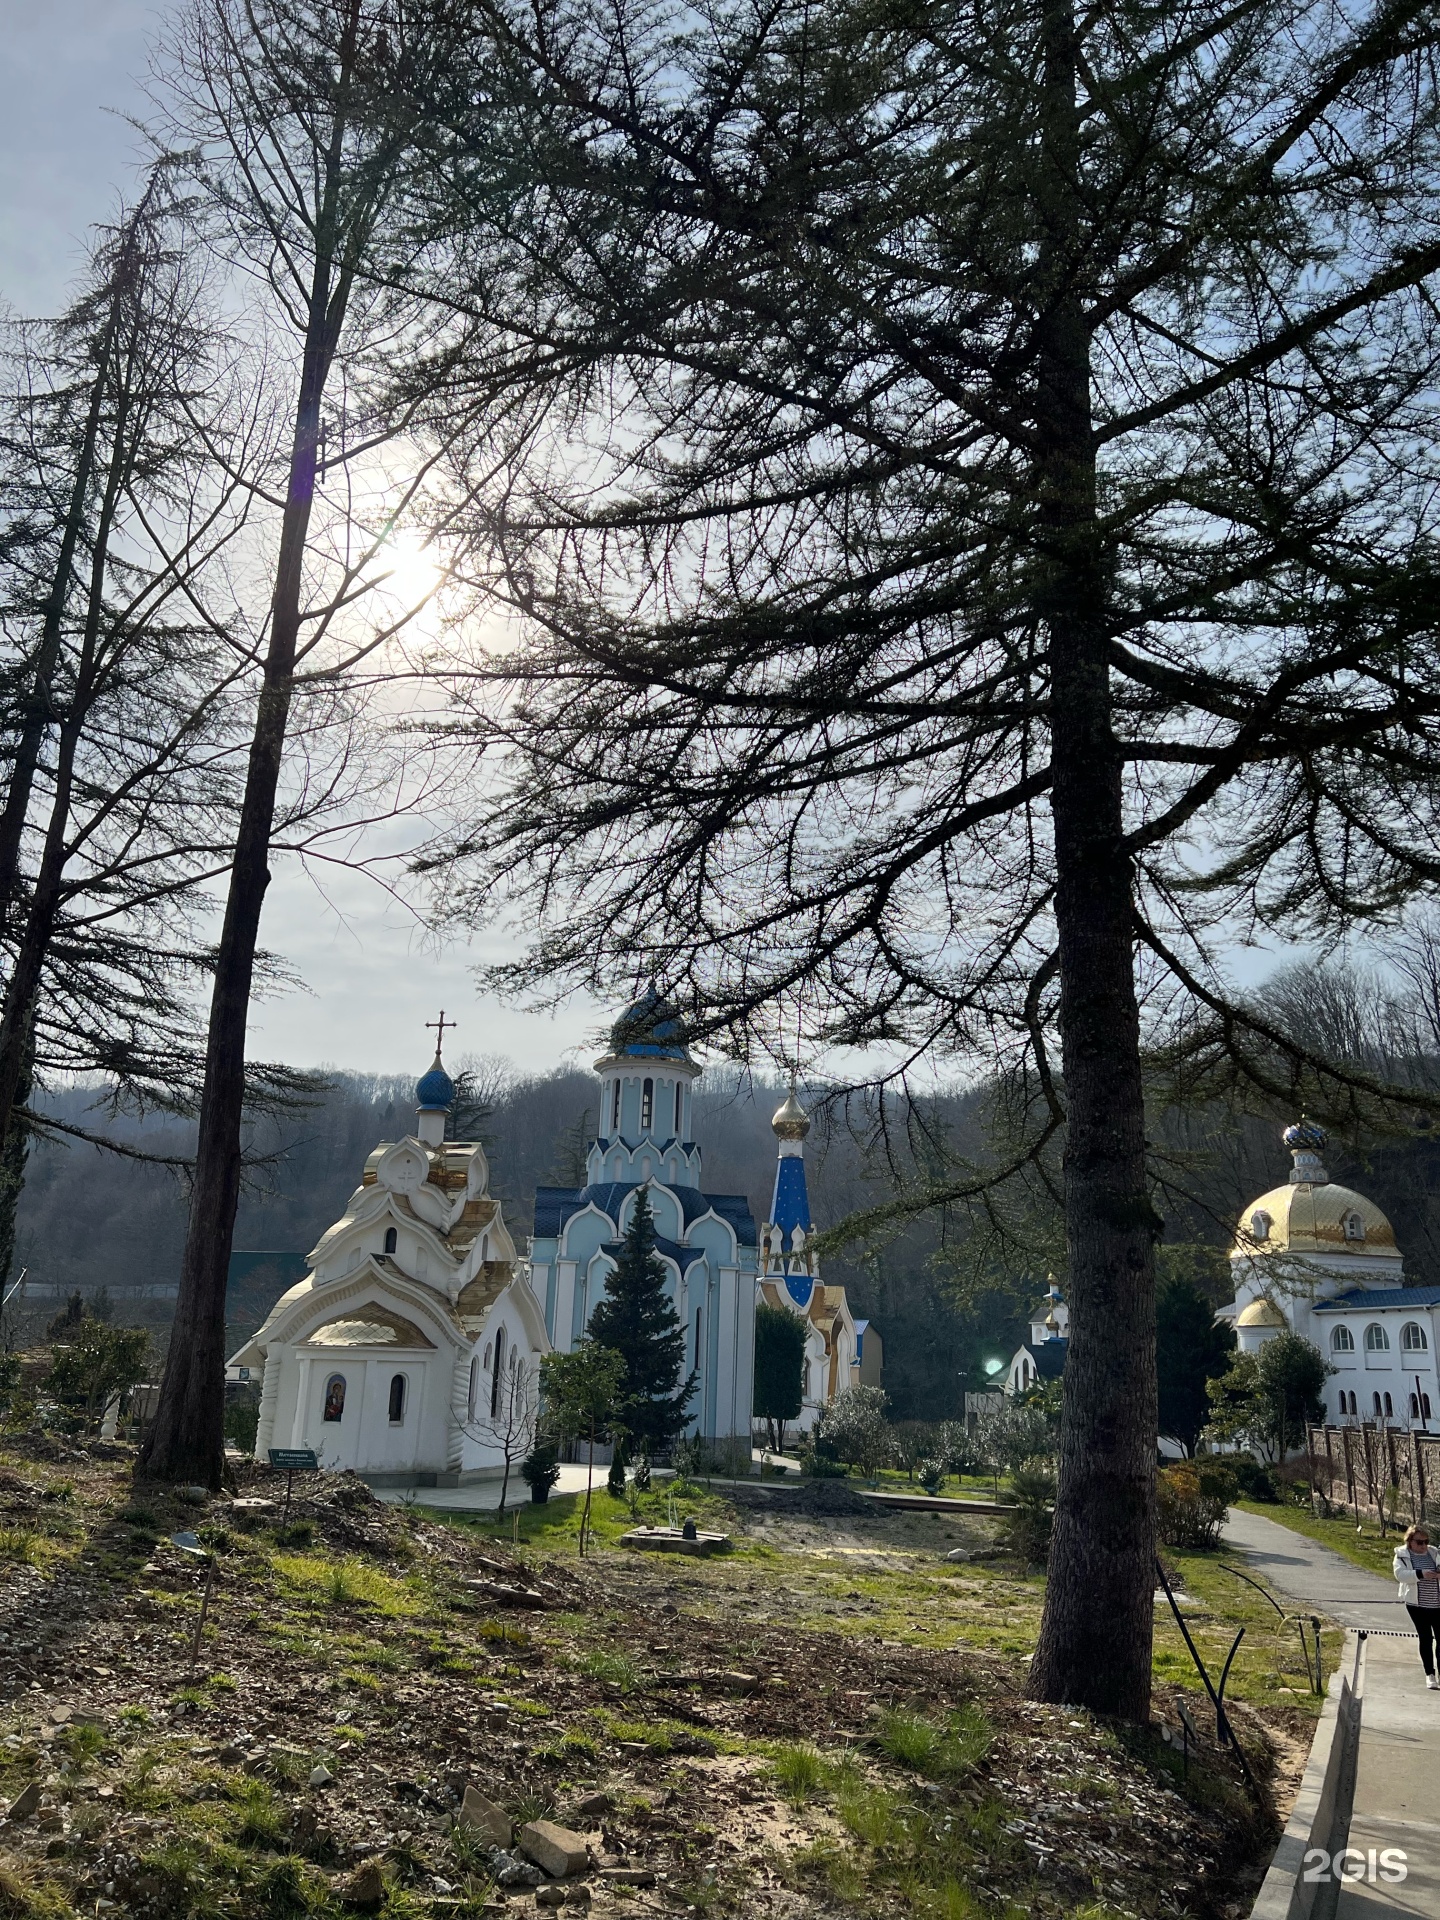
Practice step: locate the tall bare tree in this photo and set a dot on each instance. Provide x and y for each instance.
(302, 123)
(993, 568)
(114, 593)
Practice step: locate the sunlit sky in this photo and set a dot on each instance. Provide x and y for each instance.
(68, 86)
(69, 80)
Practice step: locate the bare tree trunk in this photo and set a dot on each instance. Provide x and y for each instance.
(186, 1437)
(1094, 1648)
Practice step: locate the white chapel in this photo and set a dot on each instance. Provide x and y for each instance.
(1321, 1259)
(405, 1350)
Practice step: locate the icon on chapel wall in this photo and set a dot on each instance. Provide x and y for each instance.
(335, 1397)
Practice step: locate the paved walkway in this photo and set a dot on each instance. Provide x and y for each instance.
(1397, 1789)
(484, 1495)
(1397, 1771)
(1314, 1576)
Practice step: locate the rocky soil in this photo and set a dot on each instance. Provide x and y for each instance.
(364, 1666)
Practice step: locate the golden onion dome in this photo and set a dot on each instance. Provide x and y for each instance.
(791, 1122)
(1261, 1313)
(1305, 1217)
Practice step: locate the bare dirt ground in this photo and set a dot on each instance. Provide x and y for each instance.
(830, 1721)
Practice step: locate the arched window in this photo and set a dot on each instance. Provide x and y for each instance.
(695, 1362)
(1414, 1407)
(1354, 1227)
(1353, 1408)
(1260, 1224)
(1389, 1408)
(474, 1389)
(679, 1108)
(390, 1239)
(495, 1379)
(1342, 1340)
(1425, 1405)
(397, 1400)
(1376, 1398)
(1412, 1337)
(647, 1105)
(335, 1397)
(615, 1110)
(1377, 1340)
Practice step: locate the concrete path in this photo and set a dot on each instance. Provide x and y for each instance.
(1397, 1770)
(484, 1496)
(1397, 1790)
(1315, 1577)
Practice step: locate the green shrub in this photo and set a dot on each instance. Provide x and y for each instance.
(932, 1475)
(242, 1422)
(1190, 1502)
(1028, 1529)
(540, 1469)
(1254, 1480)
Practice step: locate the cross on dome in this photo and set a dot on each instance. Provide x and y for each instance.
(435, 1092)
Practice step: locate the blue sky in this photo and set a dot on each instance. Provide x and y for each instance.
(69, 79)
(69, 84)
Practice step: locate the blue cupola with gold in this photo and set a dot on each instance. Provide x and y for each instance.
(787, 1251)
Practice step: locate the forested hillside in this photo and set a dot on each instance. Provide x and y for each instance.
(89, 1218)
(948, 1290)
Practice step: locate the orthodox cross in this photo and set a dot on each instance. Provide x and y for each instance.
(440, 1026)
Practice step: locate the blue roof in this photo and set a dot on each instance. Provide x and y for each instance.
(1049, 1356)
(435, 1088)
(800, 1286)
(650, 1029)
(555, 1205)
(791, 1205)
(1380, 1299)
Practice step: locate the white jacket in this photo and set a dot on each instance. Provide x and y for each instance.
(1405, 1573)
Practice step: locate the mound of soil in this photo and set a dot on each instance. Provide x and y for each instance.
(818, 1499)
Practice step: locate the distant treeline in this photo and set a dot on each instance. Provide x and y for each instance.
(948, 1290)
(89, 1218)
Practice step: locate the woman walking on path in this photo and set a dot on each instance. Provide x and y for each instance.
(1418, 1571)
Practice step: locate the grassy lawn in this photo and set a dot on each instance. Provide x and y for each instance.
(829, 1721)
(1360, 1543)
(876, 1584)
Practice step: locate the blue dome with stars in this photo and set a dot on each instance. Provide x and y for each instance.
(435, 1089)
(650, 1028)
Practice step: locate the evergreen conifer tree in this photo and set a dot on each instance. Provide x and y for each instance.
(636, 1320)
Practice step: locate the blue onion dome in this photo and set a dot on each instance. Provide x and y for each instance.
(435, 1088)
(650, 1028)
(1305, 1133)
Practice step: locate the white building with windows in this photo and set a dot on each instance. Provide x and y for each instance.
(1321, 1259)
(410, 1351)
(707, 1242)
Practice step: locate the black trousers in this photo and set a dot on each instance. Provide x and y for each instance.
(1427, 1625)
